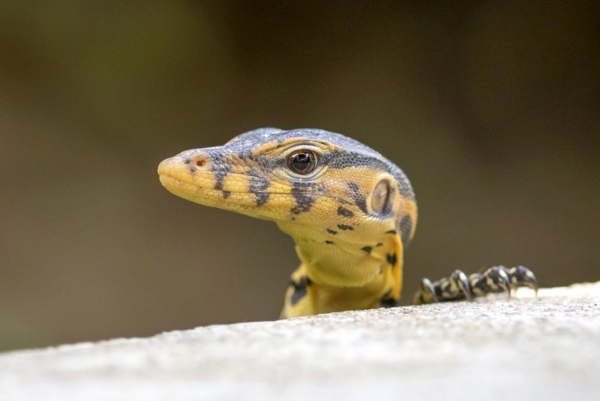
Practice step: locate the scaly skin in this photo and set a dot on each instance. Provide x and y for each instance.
(351, 216)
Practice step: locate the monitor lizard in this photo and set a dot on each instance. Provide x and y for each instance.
(350, 211)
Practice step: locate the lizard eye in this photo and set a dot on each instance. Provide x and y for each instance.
(380, 200)
(302, 161)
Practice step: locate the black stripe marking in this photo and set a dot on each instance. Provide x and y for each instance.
(367, 249)
(258, 186)
(391, 232)
(342, 211)
(387, 301)
(405, 228)
(357, 197)
(328, 242)
(261, 198)
(226, 194)
(299, 289)
(303, 201)
(220, 168)
(330, 231)
(391, 258)
(345, 227)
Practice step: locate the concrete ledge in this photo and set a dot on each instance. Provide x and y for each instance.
(546, 348)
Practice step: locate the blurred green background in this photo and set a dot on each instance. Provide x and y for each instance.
(491, 108)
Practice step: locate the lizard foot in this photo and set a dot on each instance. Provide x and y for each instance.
(458, 286)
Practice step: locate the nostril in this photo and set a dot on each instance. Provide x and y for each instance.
(200, 161)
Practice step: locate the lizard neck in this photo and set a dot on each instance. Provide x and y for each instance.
(342, 275)
(339, 261)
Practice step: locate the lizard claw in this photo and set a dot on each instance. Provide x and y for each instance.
(461, 280)
(523, 277)
(460, 286)
(426, 295)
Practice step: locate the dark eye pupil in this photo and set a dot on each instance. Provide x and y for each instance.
(302, 162)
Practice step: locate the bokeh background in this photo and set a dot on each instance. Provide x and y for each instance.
(491, 108)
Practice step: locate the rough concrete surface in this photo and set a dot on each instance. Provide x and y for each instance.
(546, 348)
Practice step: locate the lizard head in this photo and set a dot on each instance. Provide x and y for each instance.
(312, 183)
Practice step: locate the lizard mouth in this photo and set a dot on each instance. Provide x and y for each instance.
(242, 193)
(188, 190)
(178, 175)
(181, 187)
